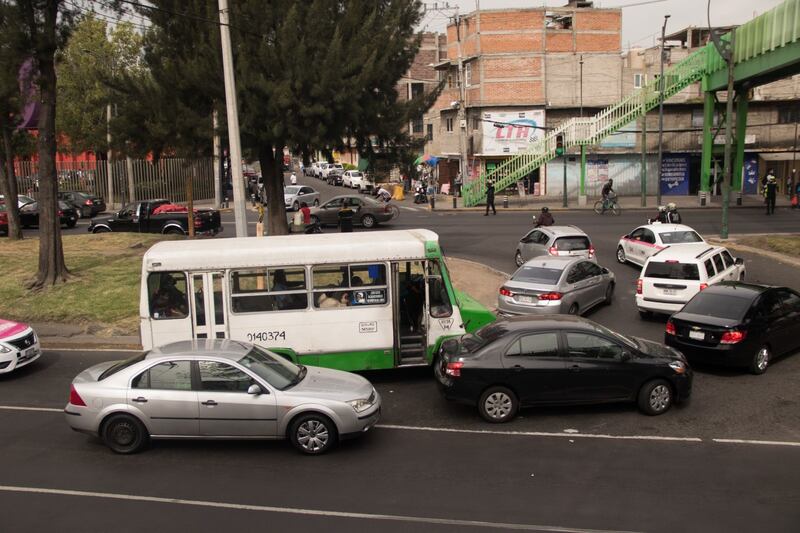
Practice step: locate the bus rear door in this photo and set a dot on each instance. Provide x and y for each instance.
(209, 315)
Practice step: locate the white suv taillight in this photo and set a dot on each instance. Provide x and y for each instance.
(639, 286)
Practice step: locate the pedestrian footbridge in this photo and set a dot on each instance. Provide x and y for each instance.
(764, 50)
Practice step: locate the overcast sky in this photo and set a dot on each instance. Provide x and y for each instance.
(640, 24)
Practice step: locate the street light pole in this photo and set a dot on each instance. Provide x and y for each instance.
(462, 108)
(661, 86)
(239, 206)
(581, 103)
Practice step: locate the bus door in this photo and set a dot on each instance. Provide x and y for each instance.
(442, 320)
(409, 308)
(209, 316)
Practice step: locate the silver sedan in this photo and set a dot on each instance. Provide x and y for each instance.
(219, 389)
(368, 212)
(549, 285)
(294, 195)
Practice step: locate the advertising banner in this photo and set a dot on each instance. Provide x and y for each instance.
(510, 132)
(675, 175)
(750, 178)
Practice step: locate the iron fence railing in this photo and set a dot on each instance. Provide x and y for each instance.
(133, 179)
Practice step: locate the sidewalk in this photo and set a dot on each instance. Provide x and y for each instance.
(479, 281)
(628, 203)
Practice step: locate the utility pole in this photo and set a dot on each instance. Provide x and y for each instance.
(109, 165)
(462, 108)
(215, 158)
(239, 204)
(661, 87)
(644, 158)
(581, 103)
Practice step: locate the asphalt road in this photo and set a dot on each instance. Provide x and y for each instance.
(725, 461)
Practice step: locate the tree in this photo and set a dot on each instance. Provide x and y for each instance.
(45, 25)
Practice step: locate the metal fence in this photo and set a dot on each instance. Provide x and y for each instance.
(133, 179)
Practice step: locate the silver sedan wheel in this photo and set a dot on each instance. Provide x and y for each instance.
(313, 436)
(660, 398)
(518, 259)
(498, 405)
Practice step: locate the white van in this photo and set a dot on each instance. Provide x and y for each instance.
(672, 276)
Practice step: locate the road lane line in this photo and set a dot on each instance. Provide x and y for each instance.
(298, 510)
(761, 442)
(111, 349)
(20, 408)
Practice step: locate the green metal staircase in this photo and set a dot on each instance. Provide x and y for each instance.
(761, 36)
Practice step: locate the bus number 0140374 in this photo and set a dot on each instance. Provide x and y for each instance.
(265, 336)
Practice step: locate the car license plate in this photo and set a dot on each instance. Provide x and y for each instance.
(30, 352)
(525, 299)
(699, 335)
(670, 292)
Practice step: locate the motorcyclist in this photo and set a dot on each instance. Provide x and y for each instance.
(419, 194)
(545, 219)
(661, 217)
(673, 217)
(384, 195)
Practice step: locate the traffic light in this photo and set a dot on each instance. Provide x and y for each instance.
(559, 145)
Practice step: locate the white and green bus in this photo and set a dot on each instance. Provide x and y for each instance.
(352, 301)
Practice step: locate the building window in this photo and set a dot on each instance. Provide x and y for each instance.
(698, 118)
(554, 20)
(476, 123)
(449, 125)
(468, 74)
(639, 80)
(429, 135)
(788, 114)
(416, 126)
(416, 90)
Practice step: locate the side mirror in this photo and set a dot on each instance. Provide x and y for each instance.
(254, 389)
(301, 193)
(604, 270)
(738, 261)
(625, 356)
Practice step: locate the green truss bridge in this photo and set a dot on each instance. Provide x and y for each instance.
(765, 49)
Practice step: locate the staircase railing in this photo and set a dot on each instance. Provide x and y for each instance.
(587, 131)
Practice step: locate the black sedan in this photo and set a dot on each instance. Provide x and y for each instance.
(86, 204)
(737, 324)
(29, 214)
(558, 359)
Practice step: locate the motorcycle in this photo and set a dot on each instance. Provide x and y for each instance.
(420, 196)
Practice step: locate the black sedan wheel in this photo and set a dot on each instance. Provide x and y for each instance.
(124, 434)
(498, 405)
(100, 229)
(313, 433)
(655, 398)
(761, 360)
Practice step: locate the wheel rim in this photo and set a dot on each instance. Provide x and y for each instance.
(573, 310)
(620, 255)
(123, 434)
(660, 398)
(762, 359)
(313, 435)
(368, 222)
(498, 405)
(518, 259)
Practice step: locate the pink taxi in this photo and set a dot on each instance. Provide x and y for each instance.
(19, 345)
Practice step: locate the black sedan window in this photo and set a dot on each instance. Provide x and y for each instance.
(592, 346)
(536, 345)
(718, 305)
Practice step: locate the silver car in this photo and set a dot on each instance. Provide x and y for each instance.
(219, 389)
(294, 195)
(568, 241)
(549, 285)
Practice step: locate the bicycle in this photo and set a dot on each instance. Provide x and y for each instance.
(609, 204)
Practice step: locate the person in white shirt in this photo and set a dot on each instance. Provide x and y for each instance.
(293, 179)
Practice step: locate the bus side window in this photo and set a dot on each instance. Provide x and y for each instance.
(167, 292)
(440, 305)
(278, 289)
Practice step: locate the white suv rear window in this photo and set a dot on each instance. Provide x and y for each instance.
(672, 270)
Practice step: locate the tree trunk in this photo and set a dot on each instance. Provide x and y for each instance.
(8, 185)
(52, 269)
(272, 171)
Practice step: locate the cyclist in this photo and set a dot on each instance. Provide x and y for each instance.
(608, 189)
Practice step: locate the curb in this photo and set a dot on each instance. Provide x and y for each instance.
(589, 209)
(480, 265)
(733, 245)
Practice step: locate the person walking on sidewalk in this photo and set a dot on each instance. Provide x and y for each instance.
(770, 191)
(293, 179)
(490, 198)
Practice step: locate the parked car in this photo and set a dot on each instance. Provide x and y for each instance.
(737, 324)
(294, 194)
(646, 240)
(19, 346)
(524, 361)
(550, 285)
(554, 241)
(21, 199)
(335, 168)
(29, 214)
(318, 168)
(219, 389)
(143, 217)
(3, 219)
(672, 276)
(86, 204)
(356, 179)
(368, 212)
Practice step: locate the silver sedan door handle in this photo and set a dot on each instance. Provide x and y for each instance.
(140, 399)
(209, 403)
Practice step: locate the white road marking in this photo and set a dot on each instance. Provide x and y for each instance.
(409, 208)
(566, 433)
(297, 510)
(111, 349)
(761, 442)
(539, 433)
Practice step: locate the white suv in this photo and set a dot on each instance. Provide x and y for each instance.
(672, 276)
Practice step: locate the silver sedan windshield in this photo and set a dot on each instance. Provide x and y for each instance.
(276, 371)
